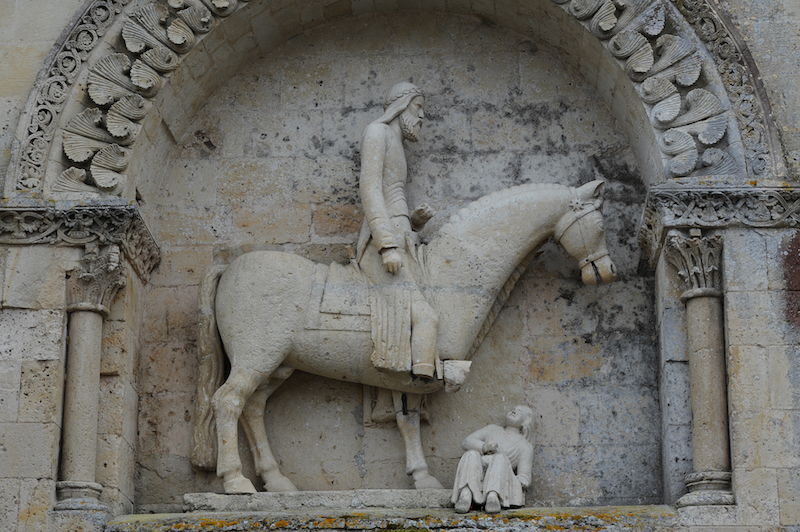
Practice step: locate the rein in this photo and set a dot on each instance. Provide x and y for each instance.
(579, 210)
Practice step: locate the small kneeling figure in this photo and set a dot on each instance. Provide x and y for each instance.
(507, 456)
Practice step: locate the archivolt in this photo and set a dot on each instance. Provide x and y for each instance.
(676, 76)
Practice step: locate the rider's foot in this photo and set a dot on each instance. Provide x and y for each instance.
(464, 501)
(426, 481)
(492, 503)
(239, 484)
(423, 370)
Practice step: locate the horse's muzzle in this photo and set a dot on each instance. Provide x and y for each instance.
(602, 268)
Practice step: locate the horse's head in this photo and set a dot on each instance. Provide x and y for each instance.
(580, 232)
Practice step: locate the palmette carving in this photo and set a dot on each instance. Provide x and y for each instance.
(73, 180)
(697, 259)
(94, 284)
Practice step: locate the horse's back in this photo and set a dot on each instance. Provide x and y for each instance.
(261, 302)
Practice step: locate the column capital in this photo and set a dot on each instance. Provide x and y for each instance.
(698, 260)
(93, 285)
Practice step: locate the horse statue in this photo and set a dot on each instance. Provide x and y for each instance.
(262, 312)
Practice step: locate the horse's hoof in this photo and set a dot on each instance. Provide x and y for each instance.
(427, 482)
(239, 484)
(279, 483)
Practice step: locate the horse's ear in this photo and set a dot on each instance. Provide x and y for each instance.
(593, 190)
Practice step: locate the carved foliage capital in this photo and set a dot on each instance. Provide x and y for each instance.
(697, 259)
(94, 284)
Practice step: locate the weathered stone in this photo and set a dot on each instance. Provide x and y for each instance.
(41, 392)
(10, 372)
(37, 497)
(31, 334)
(29, 450)
(39, 287)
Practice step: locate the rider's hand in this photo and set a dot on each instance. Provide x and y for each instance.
(489, 447)
(421, 215)
(392, 261)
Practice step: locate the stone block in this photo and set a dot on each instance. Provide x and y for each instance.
(285, 134)
(29, 450)
(21, 63)
(115, 467)
(744, 254)
(676, 407)
(10, 371)
(673, 335)
(703, 516)
(31, 334)
(193, 182)
(756, 493)
(9, 502)
(755, 318)
(748, 385)
(783, 377)
(118, 408)
(337, 222)
(42, 287)
(36, 499)
(116, 357)
(778, 243)
(619, 416)
(763, 439)
(165, 424)
(280, 225)
(168, 368)
(789, 496)
(171, 314)
(189, 227)
(557, 414)
(677, 460)
(41, 394)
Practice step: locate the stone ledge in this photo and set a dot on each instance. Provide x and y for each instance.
(617, 518)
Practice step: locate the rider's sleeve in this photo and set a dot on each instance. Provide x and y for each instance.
(525, 466)
(373, 153)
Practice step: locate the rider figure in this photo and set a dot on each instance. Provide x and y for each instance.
(387, 238)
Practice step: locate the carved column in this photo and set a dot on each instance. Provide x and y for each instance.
(90, 289)
(698, 260)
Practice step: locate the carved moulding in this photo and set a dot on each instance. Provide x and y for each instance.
(67, 223)
(669, 206)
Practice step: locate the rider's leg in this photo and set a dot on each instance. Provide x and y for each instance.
(424, 330)
(492, 503)
(228, 402)
(256, 431)
(407, 407)
(464, 501)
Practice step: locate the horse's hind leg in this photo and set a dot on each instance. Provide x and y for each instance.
(407, 407)
(256, 430)
(228, 403)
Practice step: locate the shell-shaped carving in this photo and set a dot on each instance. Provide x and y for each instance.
(108, 79)
(716, 161)
(643, 16)
(73, 180)
(685, 72)
(604, 20)
(180, 35)
(640, 62)
(151, 18)
(223, 8)
(675, 141)
(583, 9)
(653, 90)
(708, 131)
(89, 124)
(666, 110)
(136, 38)
(121, 127)
(699, 104)
(104, 92)
(79, 148)
(134, 107)
(146, 79)
(161, 59)
(112, 157)
(682, 164)
(108, 180)
(559, 2)
(625, 43)
(672, 49)
(199, 18)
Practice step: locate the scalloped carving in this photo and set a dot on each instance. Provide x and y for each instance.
(134, 107)
(671, 49)
(181, 35)
(73, 180)
(708, 131)
(121, 127)
(108, 79)
(223, 8)
(716, 161)
(640, 63)
(161, 59)
(583, 9)
(682, 164)
(146, 79)
(112, 157)
(625, 43)
(666, 110)
(675, 141)
(197, 17)
(653, 90)
(699, 104)
(80, 149)
(685, 72)
(137, 39)
(145, 29)
(89, 124)
(108, 181)
(106, 166)
(604, 20)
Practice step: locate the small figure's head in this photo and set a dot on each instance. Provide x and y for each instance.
(521, 417)
(407, 101)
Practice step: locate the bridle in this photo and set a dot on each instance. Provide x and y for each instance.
(579, 210)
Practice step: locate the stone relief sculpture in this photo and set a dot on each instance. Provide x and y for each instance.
(497, 464)
(272, 312)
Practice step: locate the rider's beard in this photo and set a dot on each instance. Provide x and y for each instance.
(410, 126)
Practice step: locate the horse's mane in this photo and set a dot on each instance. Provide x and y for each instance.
(494, 197)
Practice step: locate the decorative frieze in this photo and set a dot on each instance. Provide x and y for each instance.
(674, 207)
(78, 224)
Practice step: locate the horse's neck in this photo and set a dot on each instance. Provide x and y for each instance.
(474, 254)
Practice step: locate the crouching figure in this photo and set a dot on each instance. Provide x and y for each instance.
(496, 467)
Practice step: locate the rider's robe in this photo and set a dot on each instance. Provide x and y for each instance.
(505, 471)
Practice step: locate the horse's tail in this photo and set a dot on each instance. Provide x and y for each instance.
(211, 373)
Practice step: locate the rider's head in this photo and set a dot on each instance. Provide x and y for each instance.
(405, 100)
(521, 417)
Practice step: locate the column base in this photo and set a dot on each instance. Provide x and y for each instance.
(75, 489)
(707, 488)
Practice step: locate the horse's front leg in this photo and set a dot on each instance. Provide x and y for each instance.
(228, 403)
(407, 407)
